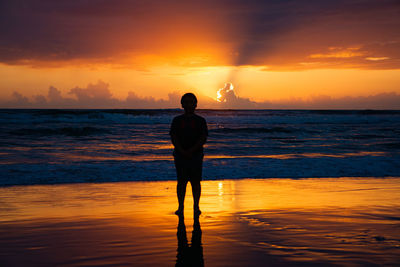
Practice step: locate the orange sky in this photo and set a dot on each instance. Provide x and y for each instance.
(291, 53)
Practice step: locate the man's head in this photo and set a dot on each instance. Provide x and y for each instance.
(189, 102)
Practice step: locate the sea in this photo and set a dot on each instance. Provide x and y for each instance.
(39, 146)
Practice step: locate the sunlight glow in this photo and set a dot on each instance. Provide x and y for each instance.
(223, 91)
(251, 82)
(219, 95)
(339, 52)
(376, 58)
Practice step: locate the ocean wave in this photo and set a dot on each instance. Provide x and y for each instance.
(274, 118)
(101, 112)
(365, 136)
(51, 146)
(69, 131)
(139, 112)
(391, 146)
(255, 130)
(355, 112)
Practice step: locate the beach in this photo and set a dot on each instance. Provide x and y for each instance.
(246, 222)
(286, 112)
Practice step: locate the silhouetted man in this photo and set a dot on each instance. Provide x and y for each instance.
(188, 134)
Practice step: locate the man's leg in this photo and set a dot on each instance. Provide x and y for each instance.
(195, 182)
(196, 191)
(181, 192)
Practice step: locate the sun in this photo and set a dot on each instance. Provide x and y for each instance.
(223, 91)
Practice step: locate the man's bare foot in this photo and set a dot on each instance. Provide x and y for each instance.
(179, 212)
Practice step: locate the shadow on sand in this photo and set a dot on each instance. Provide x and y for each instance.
(189, 254)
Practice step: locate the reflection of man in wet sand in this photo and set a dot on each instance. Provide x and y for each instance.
(189, 255)
(188, 134)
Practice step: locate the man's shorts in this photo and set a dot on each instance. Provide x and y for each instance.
(189, 169)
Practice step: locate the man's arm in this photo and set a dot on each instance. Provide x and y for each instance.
(174, 138)
(177, 145)
(198, 145)
(202, 139)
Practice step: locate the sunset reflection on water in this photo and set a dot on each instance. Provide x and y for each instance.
(272, 220)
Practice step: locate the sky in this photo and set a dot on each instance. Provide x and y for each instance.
(332, 54)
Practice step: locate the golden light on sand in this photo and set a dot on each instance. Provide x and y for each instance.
(227, 196)
(135, 220)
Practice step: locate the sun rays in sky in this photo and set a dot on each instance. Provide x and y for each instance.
(274, 53)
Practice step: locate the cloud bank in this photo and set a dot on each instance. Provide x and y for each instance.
(98, 95)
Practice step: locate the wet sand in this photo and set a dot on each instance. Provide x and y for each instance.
(263, 222)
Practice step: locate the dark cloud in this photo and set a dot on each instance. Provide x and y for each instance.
(379, 101)
(19, 99)
(94, 30)
(227, 98)
(276, 33)
(289, 32)
(96, 95)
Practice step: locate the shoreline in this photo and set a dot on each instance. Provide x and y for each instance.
(2, 186)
